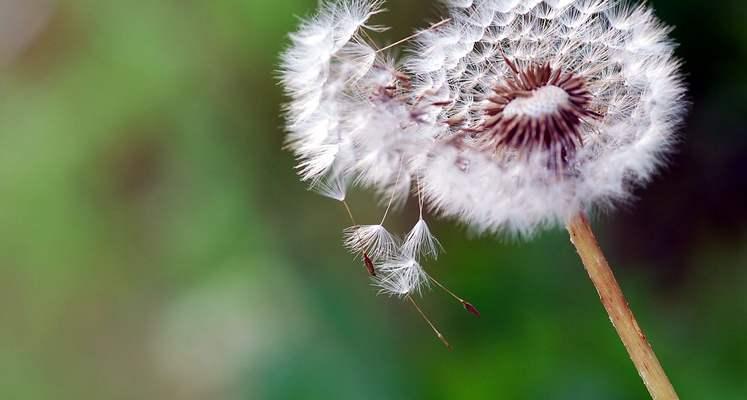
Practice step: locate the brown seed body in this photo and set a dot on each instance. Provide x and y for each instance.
(369, 265)
(470, 308)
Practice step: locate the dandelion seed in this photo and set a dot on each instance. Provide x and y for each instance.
(401, 277)
(467, 305)
(369, 265)
(372, 240)
(367, 261)
(333, 186)
(471, 309)
(420, 242)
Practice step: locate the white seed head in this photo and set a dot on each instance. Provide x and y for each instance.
(512, 116)
(561, 106)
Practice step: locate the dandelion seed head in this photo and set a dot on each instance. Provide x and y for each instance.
(513, 115)
(556, 107)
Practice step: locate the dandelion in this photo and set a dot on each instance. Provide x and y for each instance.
(509, 116)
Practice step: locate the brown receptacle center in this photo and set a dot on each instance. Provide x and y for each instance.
(535, 109)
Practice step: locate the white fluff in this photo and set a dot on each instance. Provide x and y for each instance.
(352, 111)
(334, 186)
(627, 60)
(373, 240)
(401, 277)
(420, 243)
(326, 55)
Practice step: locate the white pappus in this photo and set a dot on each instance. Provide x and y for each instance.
(509, 116)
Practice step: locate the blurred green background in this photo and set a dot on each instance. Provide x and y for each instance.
(156, 244)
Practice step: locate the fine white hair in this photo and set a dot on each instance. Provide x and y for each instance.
(325, 57)
(401, 277)
(601, 72)
(628, 63)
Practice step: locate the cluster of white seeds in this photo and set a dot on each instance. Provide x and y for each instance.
(509, 115)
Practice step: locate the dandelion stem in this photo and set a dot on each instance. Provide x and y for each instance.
(622, 317)
(425, 317)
